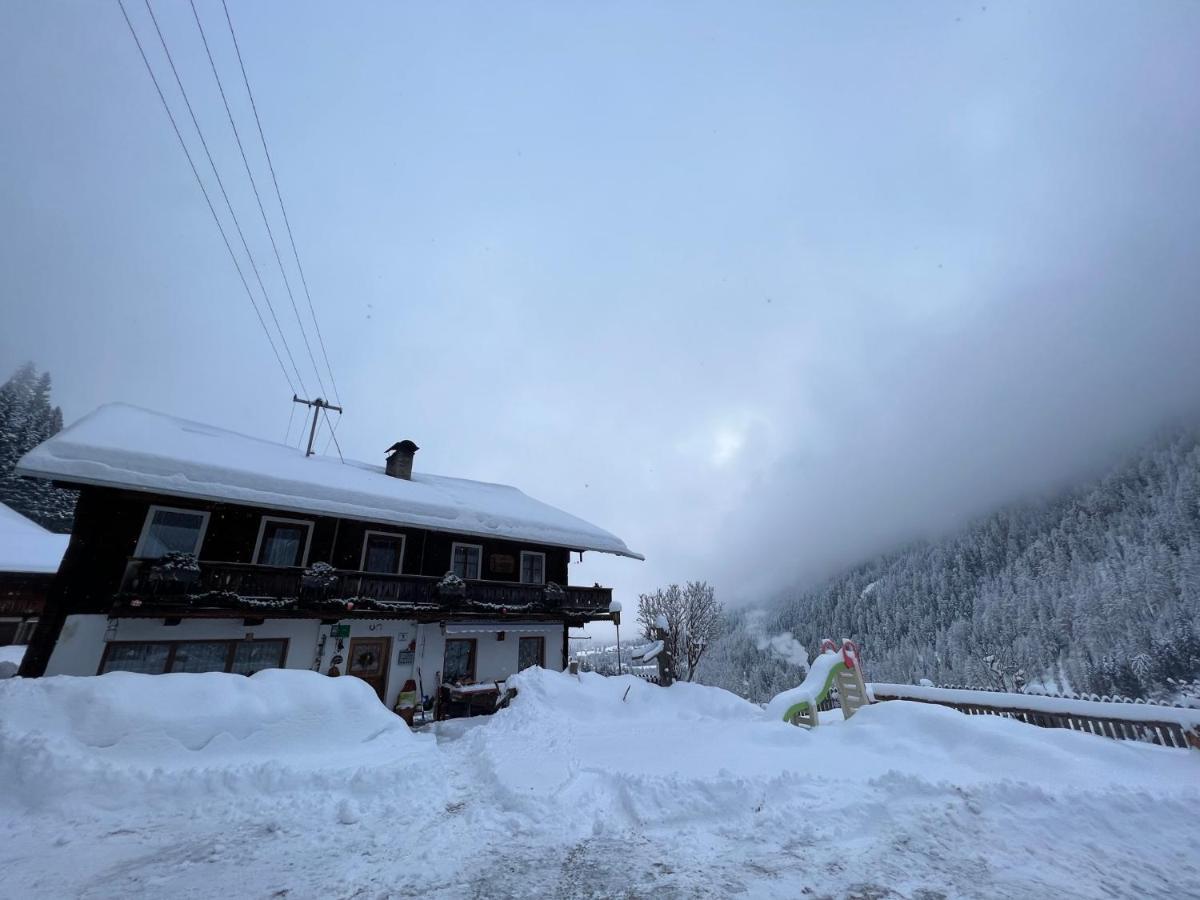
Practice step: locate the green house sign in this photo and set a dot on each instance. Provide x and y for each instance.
(340, 631)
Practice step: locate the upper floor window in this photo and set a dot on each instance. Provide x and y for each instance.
(383, 552)
(533, 567)
(282, 542)
(170, 530)
(466, 560)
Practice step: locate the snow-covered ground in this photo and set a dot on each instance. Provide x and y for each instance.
(290, 784)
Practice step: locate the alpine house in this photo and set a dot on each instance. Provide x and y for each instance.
(197, 549)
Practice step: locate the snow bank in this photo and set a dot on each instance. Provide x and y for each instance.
(300, 785)
(168, 731)
(622, 750)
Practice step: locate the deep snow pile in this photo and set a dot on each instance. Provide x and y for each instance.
(101, 736)
(586, 786)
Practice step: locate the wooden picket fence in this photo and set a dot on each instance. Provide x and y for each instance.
(1165, 726)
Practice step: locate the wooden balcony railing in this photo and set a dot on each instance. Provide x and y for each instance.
(275, 586)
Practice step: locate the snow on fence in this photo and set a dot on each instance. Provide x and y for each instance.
(1168, 726)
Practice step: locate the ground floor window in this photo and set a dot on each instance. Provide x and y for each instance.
(241, 657)
(16, 631)
(459, 665)
(531, 651)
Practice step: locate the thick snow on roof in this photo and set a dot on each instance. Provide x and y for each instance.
(26, 546)
(124, 446)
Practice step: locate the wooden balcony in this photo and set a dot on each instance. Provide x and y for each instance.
(244, 586)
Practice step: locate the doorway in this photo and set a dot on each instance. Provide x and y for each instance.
(369, 658)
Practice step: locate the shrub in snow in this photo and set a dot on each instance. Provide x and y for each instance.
(452, 585)
(175, 570)
(320, 576)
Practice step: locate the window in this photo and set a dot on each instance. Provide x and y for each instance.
(533, 568)
(242, 657)
(253, 656)
(531, 651)
(200, 656)
(465, 560)
(170, 530)
(283, 542)
(149, 659)
(383, 552)
(460, 661)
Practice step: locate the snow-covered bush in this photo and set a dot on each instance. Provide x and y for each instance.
(320, 576)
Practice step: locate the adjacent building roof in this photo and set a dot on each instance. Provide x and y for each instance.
(26, 546)
(123, 446)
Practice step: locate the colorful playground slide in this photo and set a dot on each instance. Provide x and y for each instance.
(831, 667)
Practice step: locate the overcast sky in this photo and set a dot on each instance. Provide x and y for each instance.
(761, 288)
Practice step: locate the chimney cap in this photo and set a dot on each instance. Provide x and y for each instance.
(406, 446)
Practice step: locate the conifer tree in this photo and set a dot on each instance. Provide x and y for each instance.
(27, 419)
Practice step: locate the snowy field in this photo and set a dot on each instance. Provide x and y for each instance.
(290, 784)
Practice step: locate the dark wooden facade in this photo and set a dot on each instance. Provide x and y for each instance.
(22, 598)
(100, 572)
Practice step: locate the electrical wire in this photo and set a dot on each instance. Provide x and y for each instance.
(287, 437)
(333, 434)
(207, 199)
(262, 211)
(279, 195)
(221, 184)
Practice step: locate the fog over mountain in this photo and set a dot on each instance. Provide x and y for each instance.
(765, 292)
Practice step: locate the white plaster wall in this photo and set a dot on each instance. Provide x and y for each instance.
(80, 646)
(402, 633)
(495, 660)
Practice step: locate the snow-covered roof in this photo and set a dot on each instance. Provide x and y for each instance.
(124, 446)
(26, 546)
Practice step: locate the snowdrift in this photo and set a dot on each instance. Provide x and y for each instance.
(275, 728)
(634, 753)
(290, 782)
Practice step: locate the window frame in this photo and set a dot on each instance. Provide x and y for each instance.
(472, 658)
(173, 646)
(521, 571)
(262, 531)
(140, 549)
(453, 551)
(403, 538)
(541, 639)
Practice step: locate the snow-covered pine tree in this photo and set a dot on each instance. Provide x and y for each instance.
(27, 419)
(1096, 590)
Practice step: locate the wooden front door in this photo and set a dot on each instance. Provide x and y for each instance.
(369, 658)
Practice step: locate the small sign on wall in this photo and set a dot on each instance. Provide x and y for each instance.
(502, 563)
(340, 631)
(405, 658)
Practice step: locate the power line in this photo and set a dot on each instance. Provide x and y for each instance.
(207, 199)
(254, 185)
(216, 174)
(333, 434)
(279, 195)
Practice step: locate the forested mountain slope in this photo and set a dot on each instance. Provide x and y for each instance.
(1097, 590)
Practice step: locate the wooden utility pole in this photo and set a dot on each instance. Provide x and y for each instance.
(317, 405)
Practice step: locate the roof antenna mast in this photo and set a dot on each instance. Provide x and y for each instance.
(317, 405)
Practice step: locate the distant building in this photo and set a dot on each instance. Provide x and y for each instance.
(29, 557)
(197, 549)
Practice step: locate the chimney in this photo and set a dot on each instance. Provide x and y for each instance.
(400, 459)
